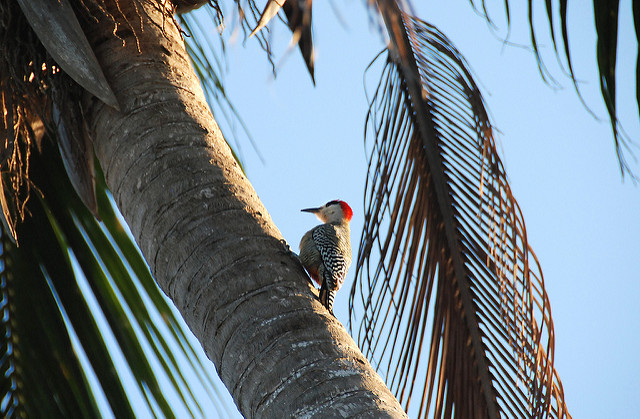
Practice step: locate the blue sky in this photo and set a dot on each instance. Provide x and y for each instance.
(581, 216)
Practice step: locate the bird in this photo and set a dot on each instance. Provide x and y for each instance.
(325, 250)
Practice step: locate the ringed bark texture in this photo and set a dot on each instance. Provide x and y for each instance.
(210, 243)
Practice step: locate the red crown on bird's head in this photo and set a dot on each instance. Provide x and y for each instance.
(346, 210)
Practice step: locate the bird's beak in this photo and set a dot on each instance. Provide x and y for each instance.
(312, 210)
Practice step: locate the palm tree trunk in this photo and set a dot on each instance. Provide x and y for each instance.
(210, 243)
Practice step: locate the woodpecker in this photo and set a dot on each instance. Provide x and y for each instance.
(325, 250)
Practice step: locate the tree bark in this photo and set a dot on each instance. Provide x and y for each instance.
(210, 243)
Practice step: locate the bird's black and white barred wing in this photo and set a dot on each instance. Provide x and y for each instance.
(336, 263)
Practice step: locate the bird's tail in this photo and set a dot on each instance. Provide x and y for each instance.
(327, 296)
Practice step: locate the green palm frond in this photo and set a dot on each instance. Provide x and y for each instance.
(606, 16)
(454, 263)
(76, 294)
(38, 358)
(298, 17)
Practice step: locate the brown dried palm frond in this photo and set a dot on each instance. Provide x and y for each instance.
(26, 72)
(37, 95)
(454, 263)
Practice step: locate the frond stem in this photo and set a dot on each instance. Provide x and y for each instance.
(401, 45)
